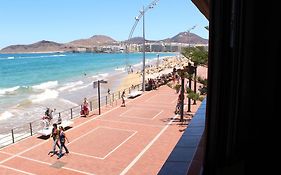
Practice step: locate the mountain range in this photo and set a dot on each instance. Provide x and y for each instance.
(97, 40)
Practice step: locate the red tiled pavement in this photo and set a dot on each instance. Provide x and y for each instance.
(136, 139)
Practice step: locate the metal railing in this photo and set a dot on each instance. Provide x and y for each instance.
(18, 133)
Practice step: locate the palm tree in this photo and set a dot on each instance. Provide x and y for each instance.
(199, 56)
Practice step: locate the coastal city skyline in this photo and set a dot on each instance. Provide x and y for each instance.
(63, 21)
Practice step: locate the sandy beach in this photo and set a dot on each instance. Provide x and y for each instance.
(153, 71)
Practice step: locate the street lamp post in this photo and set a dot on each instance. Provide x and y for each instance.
(182, 95)
(143, 61)
(97, 84)
(157, 61)
(142, 12)
(190, 71)
(99, 96)
(188, 34)
(195, 82)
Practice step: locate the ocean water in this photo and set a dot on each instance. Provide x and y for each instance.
(31, 82)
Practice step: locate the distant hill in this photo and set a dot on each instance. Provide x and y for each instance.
(41, 46)
(137, 40)
(95, 40)
(182, 37)
(185, 37)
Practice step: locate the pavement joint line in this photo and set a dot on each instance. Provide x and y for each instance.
(77, 138)
(42, 162)
(146, 148)
(157, 114)
(129, 130)
(158, 94)
(120, 144)
(126, 111)
(22, 152)
(136, 108)
(85, 155)
(143, 117)
(81, 136)
(174, 101)
(7, 167)
(34, 160)
(4, 152)
(134, 132)
(28, 137)
(82, 172)
(153, 105)
(131, 123)
(150, 98)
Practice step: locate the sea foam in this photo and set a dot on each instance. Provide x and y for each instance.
(103, 75)
(8, 91)
(6, 115)
(79, 87)
(70, 85)
(47, 94)
(46, 85)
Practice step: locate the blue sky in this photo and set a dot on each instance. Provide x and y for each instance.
(29, 21)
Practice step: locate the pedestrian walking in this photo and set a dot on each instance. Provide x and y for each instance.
(109, 96)
(55, 136)
(178, 106)
(62, 138)
(123, 99)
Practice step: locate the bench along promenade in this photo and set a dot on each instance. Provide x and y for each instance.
(136, 139)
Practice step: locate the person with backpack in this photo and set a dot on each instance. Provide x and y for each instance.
(62, 138)
(55, 135)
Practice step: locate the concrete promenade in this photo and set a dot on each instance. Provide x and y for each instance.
(136, 139)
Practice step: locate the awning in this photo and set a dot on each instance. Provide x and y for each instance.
(203, 6)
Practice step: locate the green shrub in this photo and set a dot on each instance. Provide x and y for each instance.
(177, 87)
(201, 98)
(193, 96)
